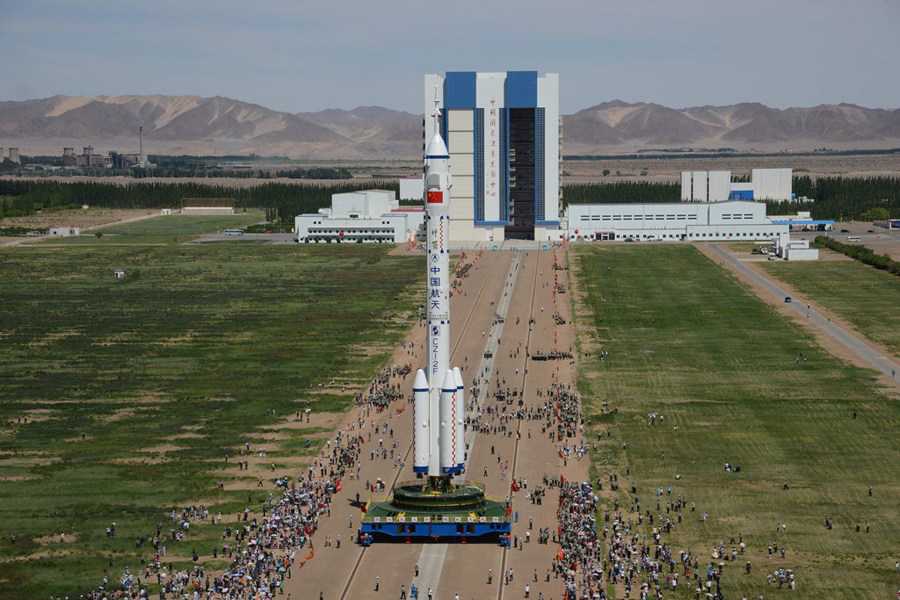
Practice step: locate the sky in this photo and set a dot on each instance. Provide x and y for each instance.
(302, 55)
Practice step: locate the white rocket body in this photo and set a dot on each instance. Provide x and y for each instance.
(438, 441)
(459, 418)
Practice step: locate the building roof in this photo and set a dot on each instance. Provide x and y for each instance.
(803, 222)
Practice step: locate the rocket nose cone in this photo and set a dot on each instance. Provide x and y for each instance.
(457, 376)
(421, 381)
(436, 147)
(449, 381)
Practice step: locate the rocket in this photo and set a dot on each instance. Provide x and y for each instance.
(438, 404)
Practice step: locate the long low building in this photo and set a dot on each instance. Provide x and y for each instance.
(733, 220)
(364, 216)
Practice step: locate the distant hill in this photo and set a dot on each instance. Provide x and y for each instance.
(744, 126)
(219, 125)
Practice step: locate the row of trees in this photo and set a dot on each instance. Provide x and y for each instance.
(862, 254)
(844, 198)
(281, 201)
(254, 173)
(621, 192)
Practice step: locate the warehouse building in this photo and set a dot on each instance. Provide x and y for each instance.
(364, 216)
(717, 186)
(502, 132)
(733, 220)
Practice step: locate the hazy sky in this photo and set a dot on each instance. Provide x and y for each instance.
(307, 55)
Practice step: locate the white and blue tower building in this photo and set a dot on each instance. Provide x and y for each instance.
(502, 132)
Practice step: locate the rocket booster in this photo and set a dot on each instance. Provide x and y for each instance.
(421, 422)
(459, 422)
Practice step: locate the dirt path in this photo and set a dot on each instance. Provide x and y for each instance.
(830, 331)
(18, 241)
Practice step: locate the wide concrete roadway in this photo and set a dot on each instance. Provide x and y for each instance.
(852, 341)
(350, 572)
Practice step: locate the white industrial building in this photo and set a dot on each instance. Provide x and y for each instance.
(65, 231)
(502, 133)
(364, 216)
(789, 249)
(732, 220)
(717, 186)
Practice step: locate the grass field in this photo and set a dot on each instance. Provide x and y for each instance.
(163, 230)
(864, 296)
(686, 340)
(134, 390)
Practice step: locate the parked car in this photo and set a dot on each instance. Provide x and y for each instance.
(845, 231)
(870, 231)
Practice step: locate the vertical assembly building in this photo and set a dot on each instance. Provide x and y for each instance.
(502, 132)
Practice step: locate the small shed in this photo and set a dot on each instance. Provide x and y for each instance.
(65, 231)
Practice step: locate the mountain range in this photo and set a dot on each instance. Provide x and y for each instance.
(219, 125)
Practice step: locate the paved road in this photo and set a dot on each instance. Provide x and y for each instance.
(847, 338)
(432, 556)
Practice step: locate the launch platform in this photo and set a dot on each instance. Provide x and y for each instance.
(454, 512)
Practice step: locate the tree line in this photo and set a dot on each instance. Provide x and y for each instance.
(281, 201)
(621, 192)
(862, 254)
(843, 198)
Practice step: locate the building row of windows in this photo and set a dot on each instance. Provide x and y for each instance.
(352, 217)
(349, 231)
(733, 234)
(736, 217)
(669, 217)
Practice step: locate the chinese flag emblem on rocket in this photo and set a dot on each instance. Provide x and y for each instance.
(435, 196)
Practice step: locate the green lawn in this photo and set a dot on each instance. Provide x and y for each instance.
(163, 230)
(199, 342)
(688, 341)
(864, 296)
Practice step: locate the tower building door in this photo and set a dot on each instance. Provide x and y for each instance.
(521, 174)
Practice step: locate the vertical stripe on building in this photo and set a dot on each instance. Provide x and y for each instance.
(538, 165)
(479, 165)
(520, 89)
(459, 89)
(504, 165)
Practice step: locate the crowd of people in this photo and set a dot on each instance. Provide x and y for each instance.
(383, 390)
(261, 549)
